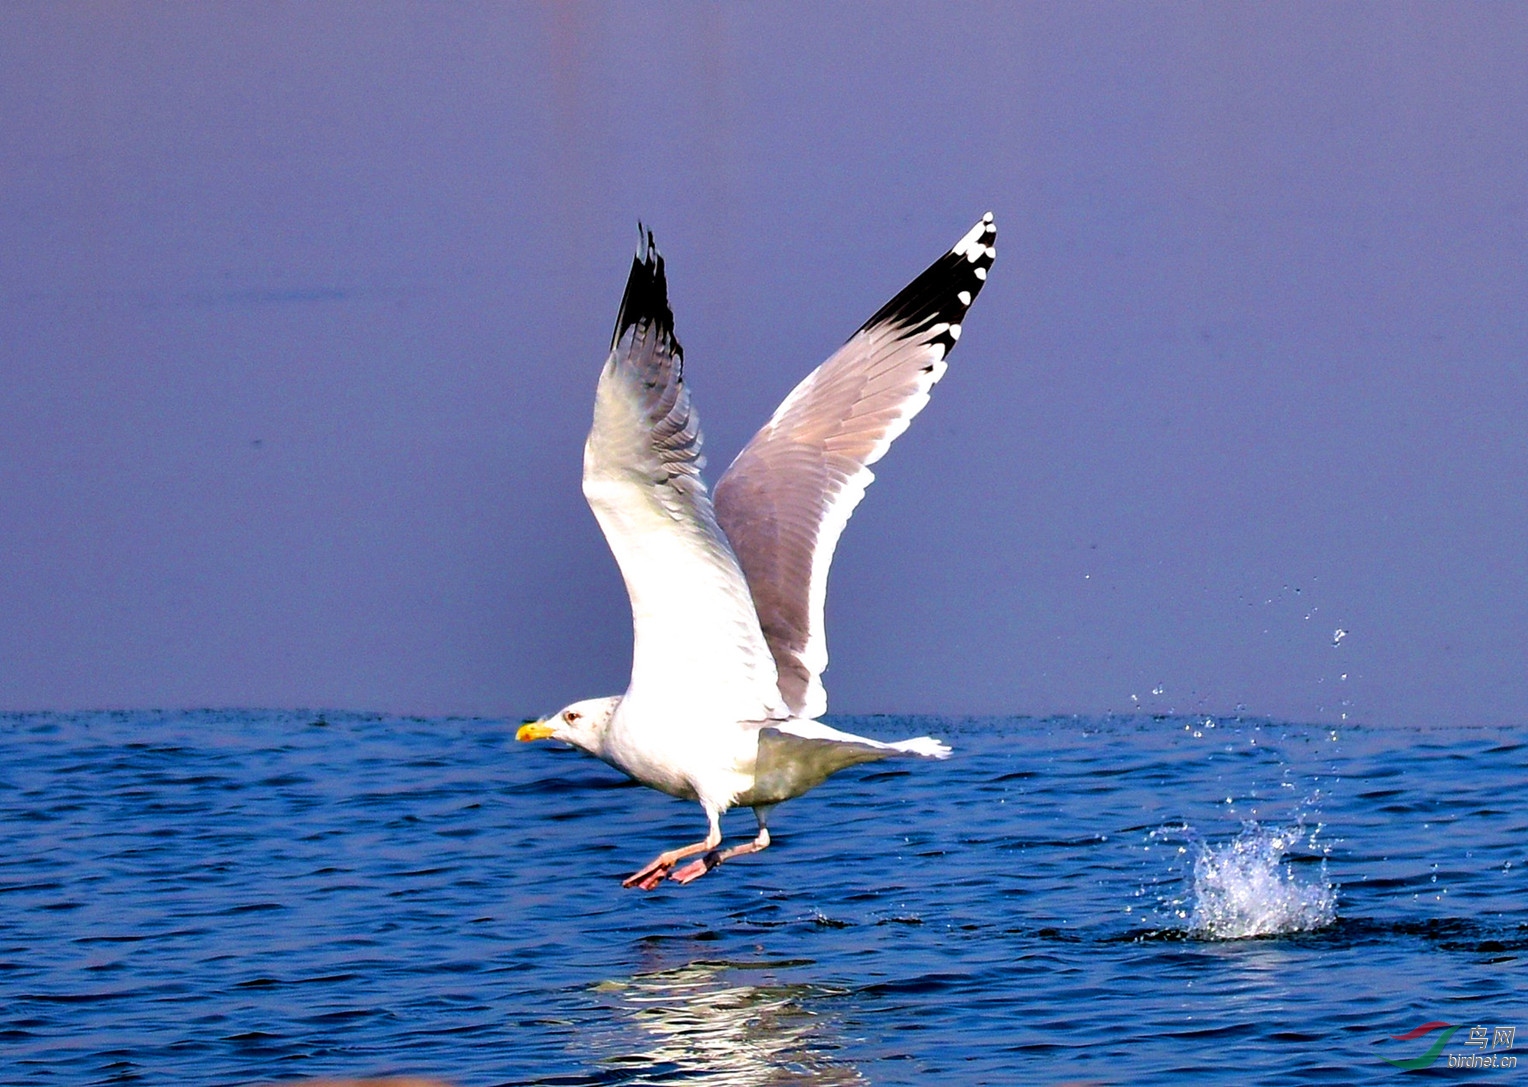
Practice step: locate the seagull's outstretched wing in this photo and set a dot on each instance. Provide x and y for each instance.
(697, 642)
(785, 500)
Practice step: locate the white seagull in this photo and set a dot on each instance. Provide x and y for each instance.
(727, 594)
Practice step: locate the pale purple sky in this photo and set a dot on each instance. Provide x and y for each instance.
(302, 306)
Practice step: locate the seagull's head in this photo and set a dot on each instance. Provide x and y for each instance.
(582, 724)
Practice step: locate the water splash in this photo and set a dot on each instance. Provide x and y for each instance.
(1246, 888)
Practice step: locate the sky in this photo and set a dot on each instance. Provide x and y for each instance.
(302, 308)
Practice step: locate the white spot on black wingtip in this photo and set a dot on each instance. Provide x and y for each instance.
(976, 239)
(932, 306)
(977, 234)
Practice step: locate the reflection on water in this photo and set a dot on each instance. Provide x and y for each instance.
(724, 1022)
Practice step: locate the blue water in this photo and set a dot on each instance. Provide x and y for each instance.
(224, 898)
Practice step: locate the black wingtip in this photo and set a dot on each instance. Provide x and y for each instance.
(645, 302)
(946, 289)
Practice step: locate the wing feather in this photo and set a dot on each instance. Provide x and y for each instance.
(785, 500)
(697, 646)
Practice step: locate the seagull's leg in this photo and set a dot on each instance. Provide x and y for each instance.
(652, 875)
(695, 869)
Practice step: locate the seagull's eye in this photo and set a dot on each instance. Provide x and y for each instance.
(571, 716)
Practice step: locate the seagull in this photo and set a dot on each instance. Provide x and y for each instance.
(727, 590)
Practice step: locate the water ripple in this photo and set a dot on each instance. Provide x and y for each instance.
(229, 897)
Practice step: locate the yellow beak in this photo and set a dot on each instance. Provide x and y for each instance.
(536, 730)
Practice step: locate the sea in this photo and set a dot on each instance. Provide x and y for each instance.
(258, 897)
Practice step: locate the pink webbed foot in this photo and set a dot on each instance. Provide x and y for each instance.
(695, 869)
(651, 876)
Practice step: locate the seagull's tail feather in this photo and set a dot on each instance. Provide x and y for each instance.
(926, 746)
(800, 754)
